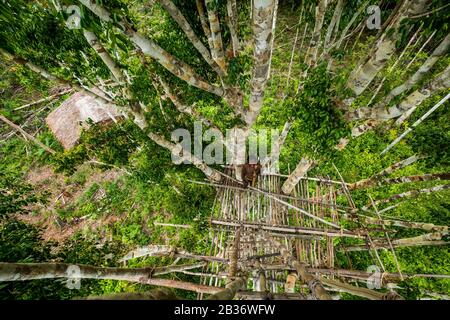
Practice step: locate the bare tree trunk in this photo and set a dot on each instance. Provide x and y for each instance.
(411, 102)
(415, 124)
(333, 24)
(424, 177)
(204, 23)
(313, 283)
(175, 66)
(412, 193)
(33, 271)
(416, 98)
(164, 250)
(182, 107)
(233, 25)
(186, 27)
(440, 51)
(263, 32)
(186, 156)
(230, 290)
(429, 239)
(216, 36)
(311, 56)
(93, 41)
(374, 179)
(396, 223)
(350, 24)
(362, 76)
(302, 168)
(118, 75)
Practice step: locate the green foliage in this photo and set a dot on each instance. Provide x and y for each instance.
(15, 195)
(319, 119)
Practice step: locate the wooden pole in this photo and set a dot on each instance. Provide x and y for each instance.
(27, 135)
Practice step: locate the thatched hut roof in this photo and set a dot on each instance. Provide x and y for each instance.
(67, 121)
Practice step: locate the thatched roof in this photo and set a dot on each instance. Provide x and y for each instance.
(71, 116)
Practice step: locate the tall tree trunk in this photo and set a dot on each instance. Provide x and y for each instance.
(176, 14)
(204, 23)
(313, 283)
(263, 32)
(33, 271)
(440, 51)
(411, 102)
(302, 168)
(396, 223)
(360, 291)
(216, 34)
(365, 183)
(93, 41)
(311, 56)
(230, 290)
(432, 239)
(415, 124)
(233, 25)
(175, 66)
(363, 75)
(270, 162)
(412, 193)
(333, 24)
(164, 250)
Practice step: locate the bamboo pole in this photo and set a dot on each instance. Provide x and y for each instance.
(361, 292)
(287, 229)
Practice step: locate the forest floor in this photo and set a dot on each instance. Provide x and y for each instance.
(64, 193)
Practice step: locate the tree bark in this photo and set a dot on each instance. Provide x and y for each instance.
(360, 291)
(93, 41)
(175, 66)
(230, 290)
(233, 25)
(440, 51)
(407, 105)
(300, 171)
(362, 76)
(263, 32)
(429, 239)
(396, 223)
(412, 193)
(313, 283)
(415, 124)
(216, 35)
(33, 271)
(270, 161)
(311, 56)
(333, 24)
(164, 250)
(186, 27)
(374, 179)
